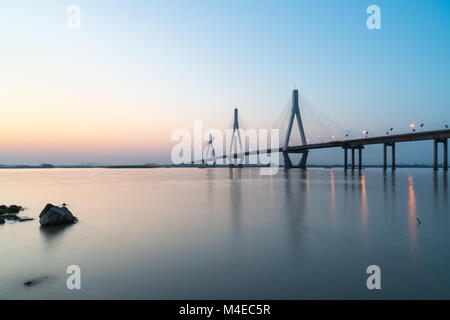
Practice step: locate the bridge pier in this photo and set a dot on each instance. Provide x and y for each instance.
(345, 158)
(287, 160)
(288, 163)
(393, 155)
(444, 141)
(353, 159)
(435, 156)
(359, 148)
(302, 163)
(385, 145)
(445, 164)
(360, 158)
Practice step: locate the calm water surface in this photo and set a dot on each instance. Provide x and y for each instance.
(228, 233)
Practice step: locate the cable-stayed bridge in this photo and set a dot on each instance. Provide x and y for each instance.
(317, 131)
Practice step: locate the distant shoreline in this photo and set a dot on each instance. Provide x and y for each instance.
(154, 166)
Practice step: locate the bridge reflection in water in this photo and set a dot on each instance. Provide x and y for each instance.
(306, 195)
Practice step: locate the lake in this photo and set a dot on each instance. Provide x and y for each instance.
(223, 233)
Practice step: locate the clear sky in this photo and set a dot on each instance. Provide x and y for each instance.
(114, 91)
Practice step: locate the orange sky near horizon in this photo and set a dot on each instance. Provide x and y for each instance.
(59, 121)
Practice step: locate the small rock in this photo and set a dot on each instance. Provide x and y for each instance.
(14, 209)
(54, 215)
(23, 219)
(11, 217)
(2, 221)
(3, 209)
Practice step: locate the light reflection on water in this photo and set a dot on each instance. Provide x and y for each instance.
(333, 197)
(412, 212)
(229, 233)
(364, 205)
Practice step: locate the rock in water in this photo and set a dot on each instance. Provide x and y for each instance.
(54, 215)
(14, 209)
(3, 209)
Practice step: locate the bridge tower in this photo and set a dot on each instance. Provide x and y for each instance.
(211, 147)
(236, 130)
(295, 113)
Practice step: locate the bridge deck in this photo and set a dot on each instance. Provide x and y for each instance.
(406, 137)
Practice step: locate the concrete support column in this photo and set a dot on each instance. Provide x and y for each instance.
(287, 160)
(445, 164)
(435, 155)
(360, 159)
(384, 157)
(302, 164)
(353, 158)
(393, 155)
(345, 159)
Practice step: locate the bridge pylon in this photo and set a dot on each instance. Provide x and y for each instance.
(236, 131)
(295, 114)
(211, 147)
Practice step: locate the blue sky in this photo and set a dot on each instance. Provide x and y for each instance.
(140, 69)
